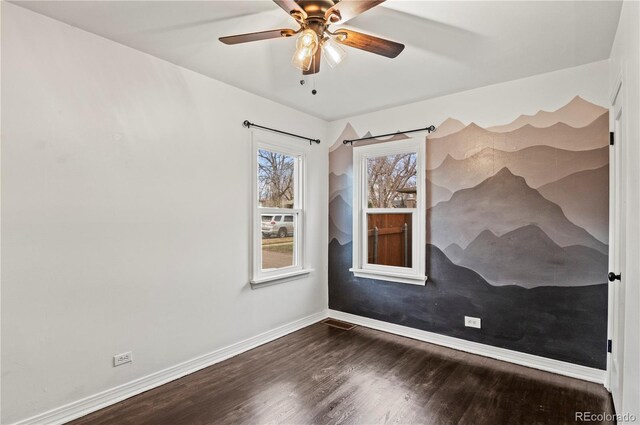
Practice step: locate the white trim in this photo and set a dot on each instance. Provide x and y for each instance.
(523, 359)
(82, 407)
(618, 160)
(259, 277)
(614, 231)
(361, 267)
(257, 283)
(390, 276)
(617, 85)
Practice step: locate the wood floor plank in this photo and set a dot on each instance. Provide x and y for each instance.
(325, 375)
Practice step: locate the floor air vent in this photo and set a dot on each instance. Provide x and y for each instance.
(338, 324)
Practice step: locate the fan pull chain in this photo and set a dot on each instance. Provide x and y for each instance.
(314, 91)
(303, 81)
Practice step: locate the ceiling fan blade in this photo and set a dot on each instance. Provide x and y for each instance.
(255, 36)
(349, 9)
(315, 63)
(290, 6)
(372, 44)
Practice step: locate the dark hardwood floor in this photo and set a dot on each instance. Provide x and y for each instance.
(324, 375)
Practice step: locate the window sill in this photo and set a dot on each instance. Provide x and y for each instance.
(391, 277)
(280, 278)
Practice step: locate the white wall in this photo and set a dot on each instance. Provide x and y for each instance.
(491, 105)
(125, 214)
(125, 208)
(625, 60)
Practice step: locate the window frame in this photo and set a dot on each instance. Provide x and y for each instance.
(361, 267)
(260, 277)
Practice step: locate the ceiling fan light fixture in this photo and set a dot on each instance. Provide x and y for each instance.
(306, 46)
(302, 59)
(314, 18)
(332, 52)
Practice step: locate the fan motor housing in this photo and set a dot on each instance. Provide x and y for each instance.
(316, 8)
(317, 25)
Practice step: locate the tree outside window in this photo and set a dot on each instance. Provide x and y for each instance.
(275, 179)
(391, 180)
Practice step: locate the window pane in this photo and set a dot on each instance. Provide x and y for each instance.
(389, 240)
(275, 179)
(391, 181)
(278, 241)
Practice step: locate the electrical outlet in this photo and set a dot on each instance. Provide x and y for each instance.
(123, 358)
(472, 322)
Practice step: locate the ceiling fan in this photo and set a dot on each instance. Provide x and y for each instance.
(314, 36)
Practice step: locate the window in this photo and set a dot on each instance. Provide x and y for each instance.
(389, 211)
(278, 219)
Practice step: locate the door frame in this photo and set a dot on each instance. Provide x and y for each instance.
(616, 100)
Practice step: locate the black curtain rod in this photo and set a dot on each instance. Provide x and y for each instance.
(429, 129)
(248, 124)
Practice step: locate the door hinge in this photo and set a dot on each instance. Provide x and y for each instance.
(609, 345)
(612, 138)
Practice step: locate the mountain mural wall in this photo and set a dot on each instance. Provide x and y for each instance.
(517, 234)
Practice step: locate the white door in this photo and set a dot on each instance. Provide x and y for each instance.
(617, 236)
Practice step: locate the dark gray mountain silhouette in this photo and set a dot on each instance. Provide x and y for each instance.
(562, 323)
(502, 203)
(340, 220)
(538, 165)
(337, 234)
(454, 252)
(584, 199)
(528, 257)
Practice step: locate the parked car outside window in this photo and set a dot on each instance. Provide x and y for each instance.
(277, 226)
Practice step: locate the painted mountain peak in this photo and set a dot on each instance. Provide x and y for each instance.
(584, 199)
(340, 185)
(502, 203)
(340, 220)
(397, 136)
(473, 139)
(448, 126)
(577, 113)
(532, 163)
(437, 194)
(528, 257)
(347, 133)
(340, 155)
(485, 179)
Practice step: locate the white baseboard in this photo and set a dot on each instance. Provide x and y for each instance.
(79, 408)
(528, 360)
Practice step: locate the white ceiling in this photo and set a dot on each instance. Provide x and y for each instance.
(451, 46)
